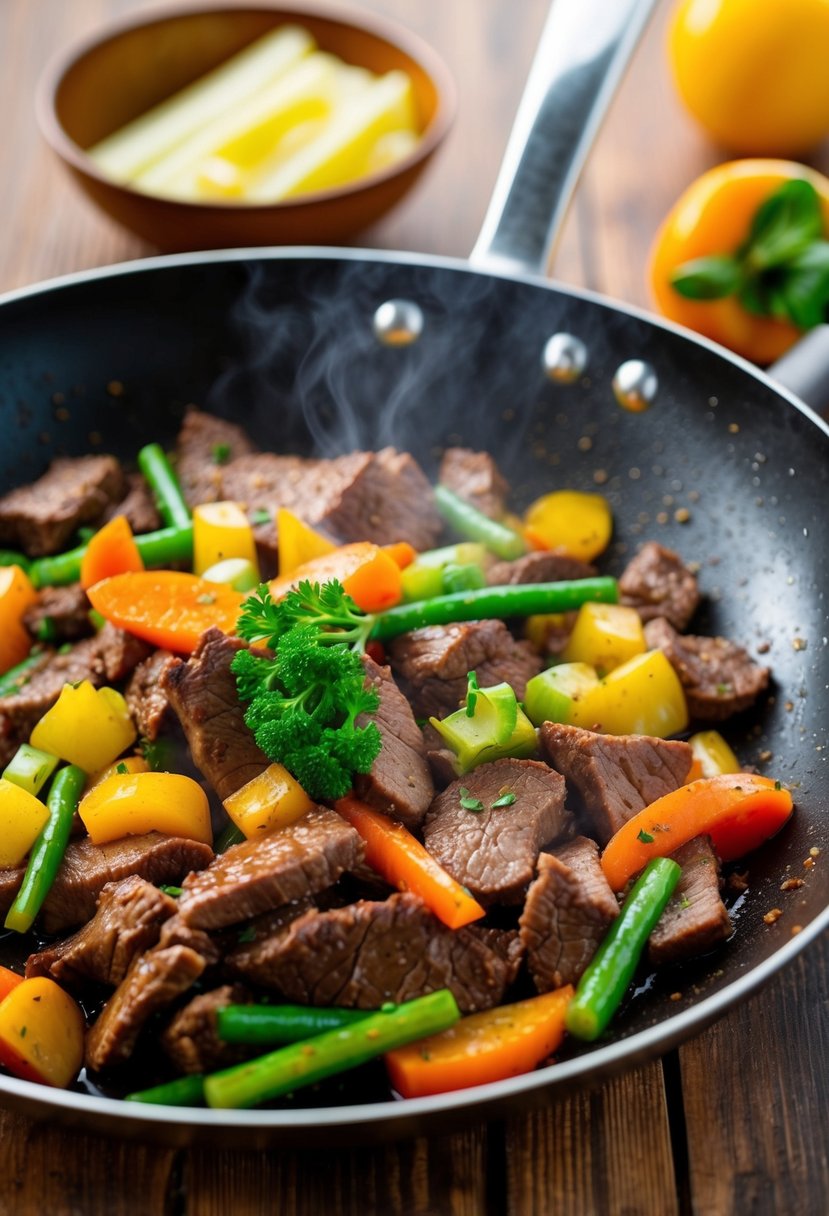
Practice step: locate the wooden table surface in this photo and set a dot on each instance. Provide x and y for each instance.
(736, 1120)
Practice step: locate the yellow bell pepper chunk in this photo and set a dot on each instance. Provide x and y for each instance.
(712, 755)
(641, 697)
(605, 636)
(570, 522)
(119, 768)
(134, 803)
(298, 543)
(86, 726)
(221, 530)
(271, 800)
(41, 1033)
(16, 594)
(21, 818)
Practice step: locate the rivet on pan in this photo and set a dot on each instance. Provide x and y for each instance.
(398, 322)
(564, 358)
(635, 385)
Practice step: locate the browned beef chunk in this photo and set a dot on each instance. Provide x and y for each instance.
(540, 567)
(87, 868)
(127, 922)
(176, 932)
(568, 910)
(657, 583)
(41, 517)
(60, 614)
(205, 445)
(137, 506)
(719, 677)
(431, 664)
(493, 851)
(695, 918)
(506, 943)
(146, 698)
(369, 952)
(613, 777)
(119, 653)
(399, 783)
(202, 692)
(191, 1040)
(257, 875)
(261, 482)
(153, 981)
(475, 477)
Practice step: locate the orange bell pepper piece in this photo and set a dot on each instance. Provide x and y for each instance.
(737, 810)
(8, 980)
(369, 575)
(112, 550)
(488, 1046)
(168, 608)
(41, 1033)
(401, 859)
(402, 552)
(16, 594)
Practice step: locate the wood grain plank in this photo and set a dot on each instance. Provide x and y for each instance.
(602, 1153)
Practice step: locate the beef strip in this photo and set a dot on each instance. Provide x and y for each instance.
(399, 783)
(204, 445)
(506, 943)
(202, 691)
(539, 567)
(152, 982)
(493, 851)
(60, 612)
(613, 777)
(119, 653)
(147, 700)
(431, 664)
(568, 910)
(137, 506)
(41, 517)
(127, 921)
(475, 477)
(695, 918)
(87, 868)
(657, 583)
(718, 677)
(191, 1040)
(371, 952)
(176, 932)
(252, 877)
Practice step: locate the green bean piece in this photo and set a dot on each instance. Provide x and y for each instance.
(183, 1091)
(153, 463)
(13, 680)
(288, 1068)
(49, 848)
(228, 836)
(521, 599)
(270, 1024)
(474, 525)
(10, 557)
(159, 548)
(604, 983)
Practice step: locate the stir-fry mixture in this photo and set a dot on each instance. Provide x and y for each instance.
(445, 788)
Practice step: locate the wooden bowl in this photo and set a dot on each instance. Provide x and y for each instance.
(102, 83)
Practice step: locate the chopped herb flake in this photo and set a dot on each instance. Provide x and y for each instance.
(221, 453)
(173, 892)
(645, 837)
(468, 802)
(121, 769)
(778, 785)
(260, 516)
(506, 799)
(247, 935)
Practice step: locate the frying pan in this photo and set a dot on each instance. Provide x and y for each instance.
(285, 342)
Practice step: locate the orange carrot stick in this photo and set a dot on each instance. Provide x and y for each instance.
(166, 607)
(737, 810)
(369, 575)
(112, 550)
(402, 860)
(8, 981)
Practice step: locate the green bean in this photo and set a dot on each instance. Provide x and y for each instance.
(159, 548)
(228, 836)
(14, 679)
(601, 988)
(286, 1069)
(183, 1091)
(269, 1024)
(474, 525)
(49, 848)
(522, 599)
(153, 463)
(10, 557)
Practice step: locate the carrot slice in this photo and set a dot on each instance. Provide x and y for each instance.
(402, 553)
(168, 608)
(402, 860)
(737, 810)
(369, 575)
(489, 1046)
(112, 550)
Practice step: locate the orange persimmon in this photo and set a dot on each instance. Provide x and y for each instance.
(369, 575)
(168, 608)
(112, 550)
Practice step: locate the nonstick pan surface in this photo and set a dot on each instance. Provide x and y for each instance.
(284, 343)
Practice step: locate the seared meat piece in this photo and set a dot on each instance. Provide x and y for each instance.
(506, 943)
(146, 698)
(202, 692)
(204, 445)
(257, 875)
(493, 851)
(264, 481)
(371, 952)
(431, 664)
(119, 653)
(657, 583)
(61, 611)
(539, 567)
(399, 783)
(191, 1039)
(137, 506)
(568, 910)
(42, 516)
(154, 979)
(475, 477)
(614, 777)
(176, 932)
(695, 919)
(127, 921)
(718, 676)
(87, 868)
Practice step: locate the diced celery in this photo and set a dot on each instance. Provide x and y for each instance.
(497, 727)
(30, 768)
(236, 572)
(421, 582)
(468, 577)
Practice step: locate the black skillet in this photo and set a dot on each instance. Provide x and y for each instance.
(284, 341)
